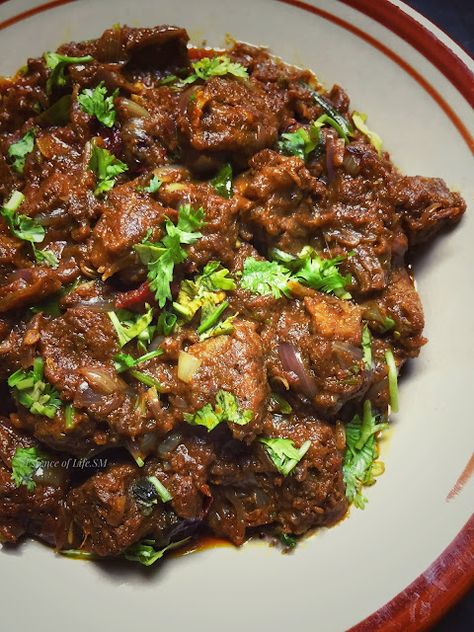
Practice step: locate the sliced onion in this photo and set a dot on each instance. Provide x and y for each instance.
(169, 443)
(130, 109)
(187, 366)
(48, 219)
(86, 397)
(347, 353)
(351, 164)
(292, 363)
(155, 343)
(102, 380)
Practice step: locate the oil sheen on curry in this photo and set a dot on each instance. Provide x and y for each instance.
(204, 300)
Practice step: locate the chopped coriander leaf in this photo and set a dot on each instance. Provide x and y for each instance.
(222, 182)
(278, 404)
(147, 553)
(69, 416)
(289, 541)
(124, 361)
(211, 317)
(312, 270)
(25, 463)
(161, 257)
(146, 379)
(359, 119)
(45, 256)
(224, 327)
(215, 277)
(17, 152)
(106, 168)
(299, 143)
(33, 392)
(213, 67)
(392, 380)
(331, 111)
(129, 325)
(226, 409)
(326, 119)
(166, 323)
(57, 63)
(153, 186)
(21, 226)
(96, 103)
(164, 81)
(147, 491)
(367, 347)
(360, 466)
(283, 453)
(265, 277)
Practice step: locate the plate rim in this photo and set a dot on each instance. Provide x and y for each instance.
(453, 568)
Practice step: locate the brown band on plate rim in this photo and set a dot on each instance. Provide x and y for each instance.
(452, 573)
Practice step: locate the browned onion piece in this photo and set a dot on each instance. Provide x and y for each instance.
(292, 363)
(102, 380)
(169, 443)
(96, 304)
(347, 353)
(156, 342)
(351, 164)
(86, 397)
(130, 110)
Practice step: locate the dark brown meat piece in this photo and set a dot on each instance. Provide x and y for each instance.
(127, 217)
(427, 206)
(28, 286)
(229, 116)
(248, 492)
(235, 364)
(38, 512)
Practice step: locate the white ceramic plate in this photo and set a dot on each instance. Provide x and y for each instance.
(343, 575)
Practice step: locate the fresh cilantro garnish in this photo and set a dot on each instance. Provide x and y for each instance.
(21, 226)
(96, 103)
(312, 270)
(224, 327)
(33, 392)
(146, 379)
(360, 466)
(213, 67)
(283, 453)
(392, 380)
(124, 361)
(129, 325)
(225, 409)
(359, 119)
(47, 257)
(331, 111)
(106, 168)
(147, 491)
(25, 463)
(299, 143)
(17, 152)
(57, 63)
(367, 347)
(166, 323)
(289, 541)
(147, 553)
(265, 277)
(153, 186)
(204, 292)
(222, 182)
(304, 140)
(161, 257)
(69, 413)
